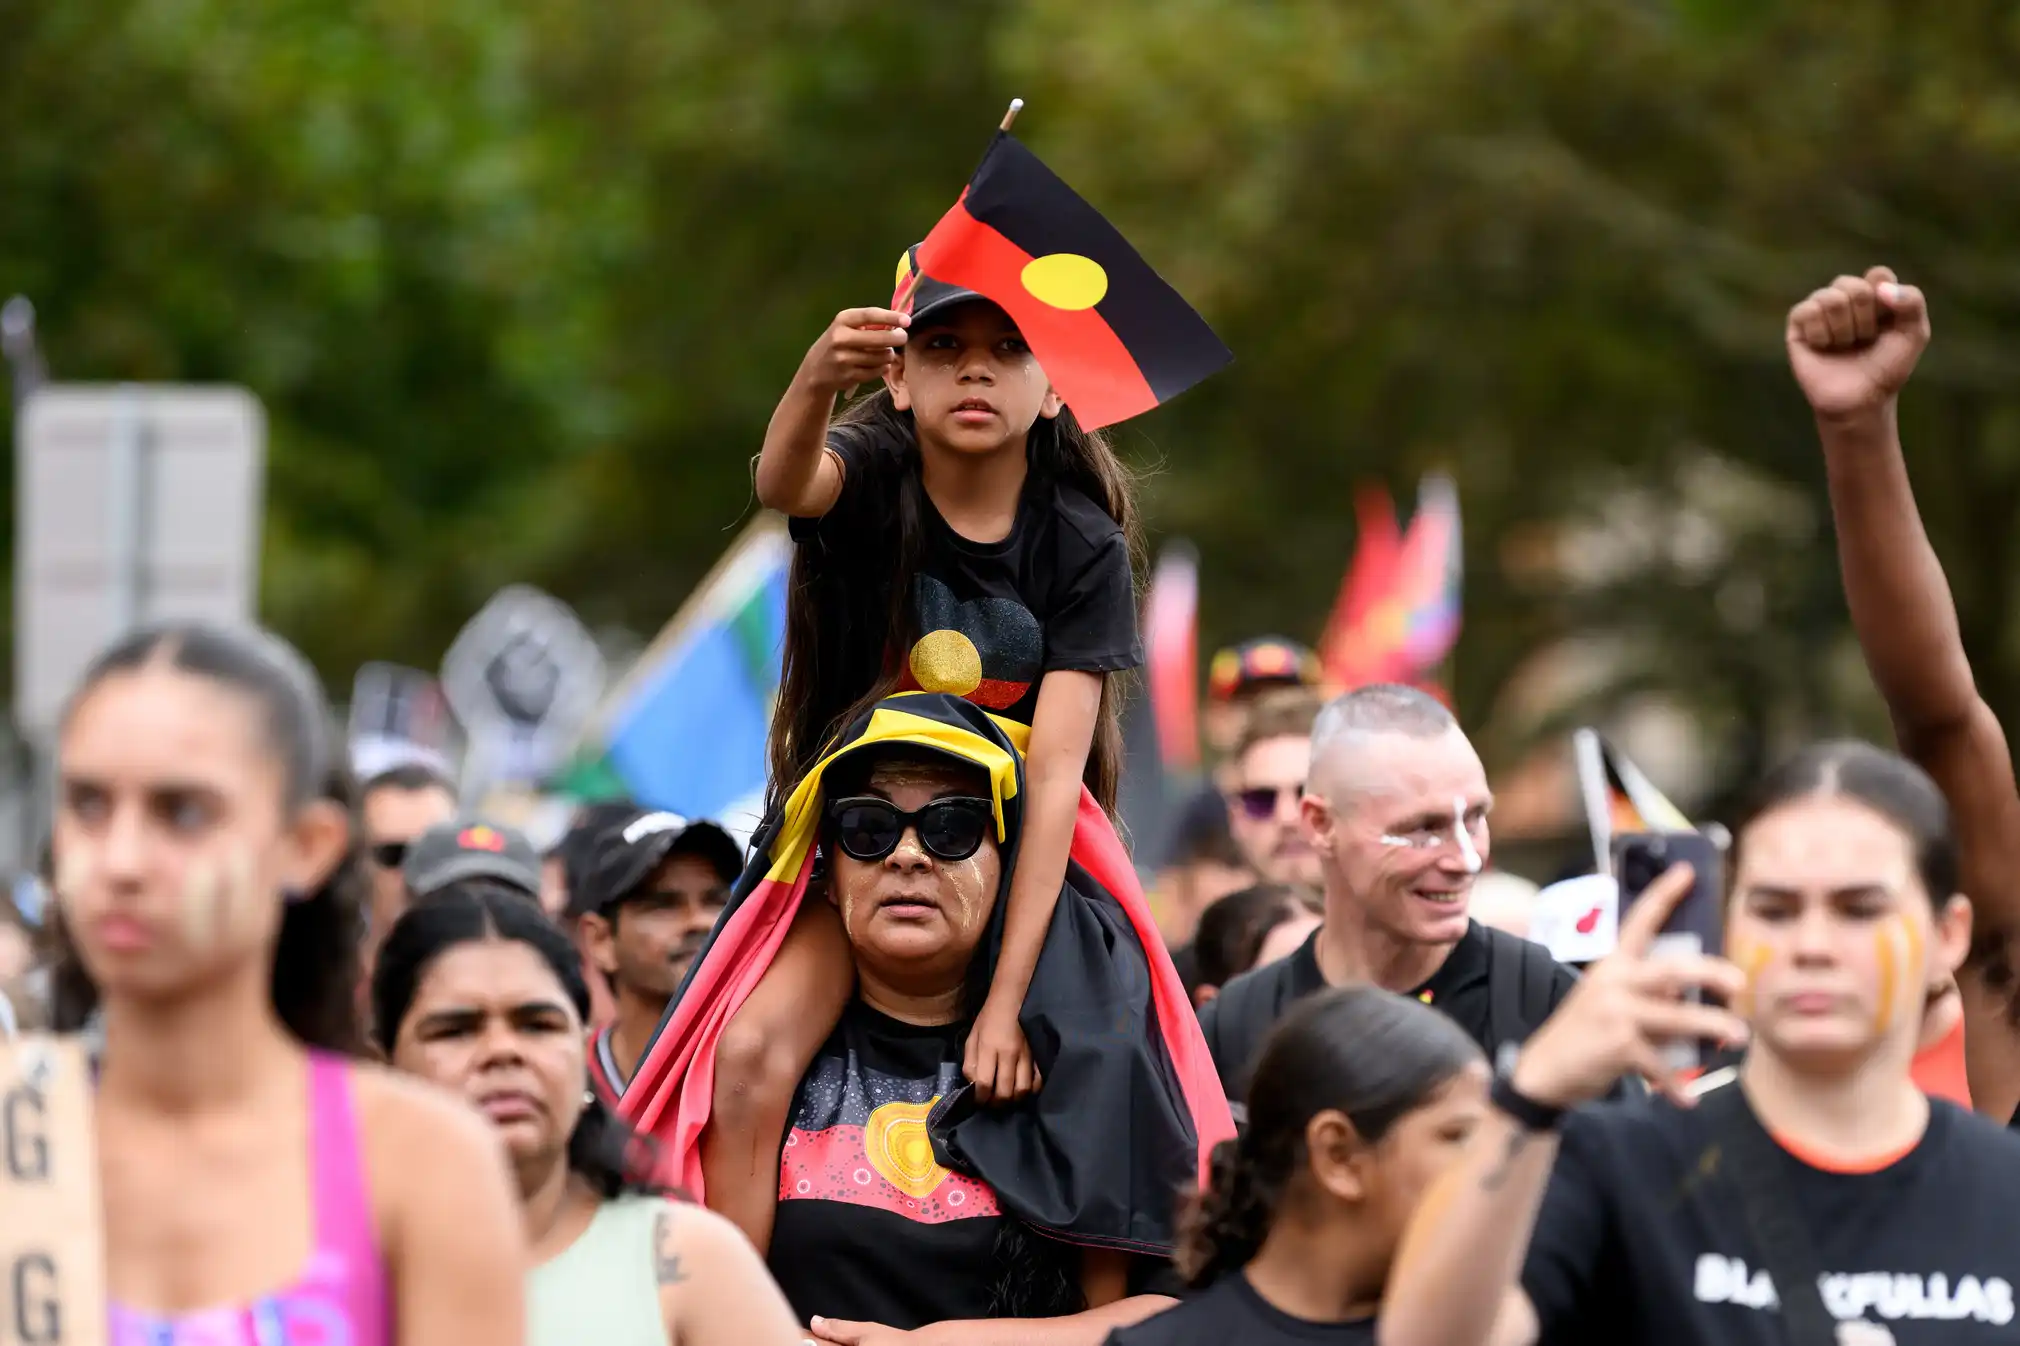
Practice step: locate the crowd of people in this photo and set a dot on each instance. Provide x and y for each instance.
(925, 1062)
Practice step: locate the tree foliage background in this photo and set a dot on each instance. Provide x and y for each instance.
(519, 285)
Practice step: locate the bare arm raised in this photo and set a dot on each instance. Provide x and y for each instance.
(1852, 346)
(797, 474)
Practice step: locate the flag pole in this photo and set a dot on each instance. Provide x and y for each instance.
(905, 291)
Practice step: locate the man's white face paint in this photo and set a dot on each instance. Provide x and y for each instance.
(1432, 838)
(1467, 851)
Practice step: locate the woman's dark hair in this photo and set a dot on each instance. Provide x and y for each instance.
(601, 1148)
(836, 669)
(1232, 930)
(316, 969)
(1368, 1053)
(1888, 784)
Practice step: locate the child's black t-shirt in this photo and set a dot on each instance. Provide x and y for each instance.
(992, 618)
(1643, 1237)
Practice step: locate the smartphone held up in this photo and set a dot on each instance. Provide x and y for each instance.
(1695, 924)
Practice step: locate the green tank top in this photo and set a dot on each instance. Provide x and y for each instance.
(603, 1288)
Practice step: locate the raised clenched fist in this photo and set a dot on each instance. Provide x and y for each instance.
(1854, 343)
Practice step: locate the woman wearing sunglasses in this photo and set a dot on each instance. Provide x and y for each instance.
(902, 1203)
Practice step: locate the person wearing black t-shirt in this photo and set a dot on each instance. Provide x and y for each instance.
(876, 1231)
(1360, 1100)
(1397, 808)
(1821, 1197)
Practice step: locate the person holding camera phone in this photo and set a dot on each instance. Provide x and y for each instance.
(1821, 1199)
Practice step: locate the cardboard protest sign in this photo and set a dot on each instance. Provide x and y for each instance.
(52, 1245)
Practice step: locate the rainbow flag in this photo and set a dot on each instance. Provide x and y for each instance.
(685, 730)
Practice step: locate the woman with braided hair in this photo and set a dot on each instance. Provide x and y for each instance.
(1361, 1098)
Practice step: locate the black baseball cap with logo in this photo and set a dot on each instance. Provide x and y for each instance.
(625, 851)
(451, 852)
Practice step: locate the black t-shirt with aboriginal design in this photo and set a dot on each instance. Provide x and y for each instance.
(993, 617)
(870, 1226)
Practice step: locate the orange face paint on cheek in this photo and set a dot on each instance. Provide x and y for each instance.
(1888, 959)
(1917, 987)
(1753, 960)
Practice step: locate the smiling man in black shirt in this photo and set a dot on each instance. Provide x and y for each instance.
(1396, 807)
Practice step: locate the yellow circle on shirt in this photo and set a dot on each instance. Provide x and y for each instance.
(946, 661)
(897, 1146)
(1066, 280)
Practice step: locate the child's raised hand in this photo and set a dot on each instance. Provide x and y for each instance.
(998, 1059)
(859, 345)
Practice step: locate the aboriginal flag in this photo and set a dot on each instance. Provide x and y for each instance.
(1618, 798)
(1131, 1106)
(1114, 338)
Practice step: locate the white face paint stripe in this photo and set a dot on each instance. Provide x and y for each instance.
(1465, 835)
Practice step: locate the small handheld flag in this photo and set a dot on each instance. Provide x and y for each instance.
(1618, 798)
(1113, 337)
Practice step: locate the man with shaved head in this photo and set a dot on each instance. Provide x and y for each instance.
(1395, 807)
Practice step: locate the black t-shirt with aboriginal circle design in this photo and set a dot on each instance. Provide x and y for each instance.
(870, 1227)
(994, 617)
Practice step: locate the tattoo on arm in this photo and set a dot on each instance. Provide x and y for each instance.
(665, 1258)
(1497, 1177)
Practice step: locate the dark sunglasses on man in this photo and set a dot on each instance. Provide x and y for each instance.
(1260, 802)
(867, 828)
(389, 854)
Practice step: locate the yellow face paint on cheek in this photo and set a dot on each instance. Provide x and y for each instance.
(202, 897)
(1753, 960)
(964, 887)
(1916, 982)
(1898, 976)
(74, 870)
(236, 898)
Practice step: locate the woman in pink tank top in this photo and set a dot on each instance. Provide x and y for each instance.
(262, 1187)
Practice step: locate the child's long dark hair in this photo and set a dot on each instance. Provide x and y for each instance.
(835, 668)
(1368, 1053)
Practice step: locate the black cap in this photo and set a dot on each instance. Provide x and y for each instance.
(932, 296)
(450, 852)
(626, 851)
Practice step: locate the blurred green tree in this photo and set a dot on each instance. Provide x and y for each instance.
(519, 287)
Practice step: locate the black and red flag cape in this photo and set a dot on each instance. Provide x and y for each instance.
(1114, 339)
(1131, 1105)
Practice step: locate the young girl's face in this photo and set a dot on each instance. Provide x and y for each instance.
(171, 838)
(1835, 932)
(970, 382)
(1421, 1146)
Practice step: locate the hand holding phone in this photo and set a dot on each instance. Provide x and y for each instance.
(1694, 926)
